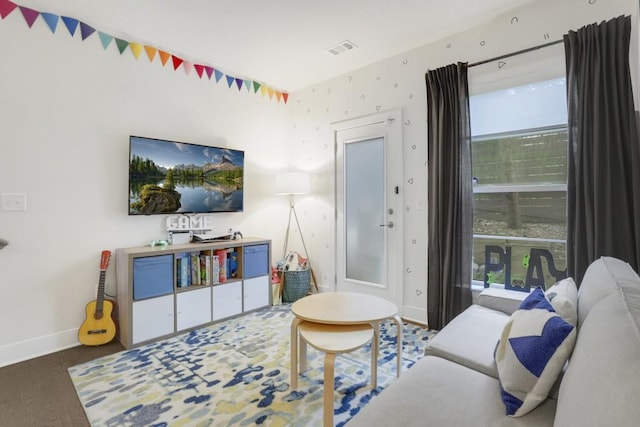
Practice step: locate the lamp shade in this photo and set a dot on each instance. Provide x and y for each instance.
(292, 183)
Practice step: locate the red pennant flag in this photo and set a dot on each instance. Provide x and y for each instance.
(285, 96)
(6, 7)
(199, 69)
(209, 71)
(176, 61)
(30, 15)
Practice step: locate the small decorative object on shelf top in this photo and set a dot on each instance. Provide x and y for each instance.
(189, 222)
(155, 243)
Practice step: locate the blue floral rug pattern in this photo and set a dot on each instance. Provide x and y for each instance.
(233, 373)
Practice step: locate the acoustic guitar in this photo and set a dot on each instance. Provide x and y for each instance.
(98, 327)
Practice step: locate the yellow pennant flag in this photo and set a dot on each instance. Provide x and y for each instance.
(136, 48)
(270, 93)
(151, 52)
(263, 90)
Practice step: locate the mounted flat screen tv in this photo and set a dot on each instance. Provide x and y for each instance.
(167, 177)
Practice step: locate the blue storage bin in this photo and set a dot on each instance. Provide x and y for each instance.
(152, 276)
(256, 260)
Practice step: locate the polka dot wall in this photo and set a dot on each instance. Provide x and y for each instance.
(398, 83)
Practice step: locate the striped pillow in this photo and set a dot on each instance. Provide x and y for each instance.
(533, 348)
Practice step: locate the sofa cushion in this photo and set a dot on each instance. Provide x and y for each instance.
(535, 344)
(601, 384)
(564, 299)
(438, 392)
(470, 339)
(504, 300)
(601, 279)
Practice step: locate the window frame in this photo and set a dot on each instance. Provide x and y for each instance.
(479, 188)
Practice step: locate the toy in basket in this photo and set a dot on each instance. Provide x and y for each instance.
(296, 277)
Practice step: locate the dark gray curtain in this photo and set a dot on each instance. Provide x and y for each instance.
(603, 192)
(450, 198)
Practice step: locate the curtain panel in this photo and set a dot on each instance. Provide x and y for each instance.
(450, 195)
(603, 185)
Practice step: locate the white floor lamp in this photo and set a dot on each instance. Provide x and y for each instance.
(290, 184)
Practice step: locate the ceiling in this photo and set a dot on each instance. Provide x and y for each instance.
(281, 43)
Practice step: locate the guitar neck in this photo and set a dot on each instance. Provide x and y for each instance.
(100, 298)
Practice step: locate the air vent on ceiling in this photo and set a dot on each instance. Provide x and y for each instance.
(341, 47)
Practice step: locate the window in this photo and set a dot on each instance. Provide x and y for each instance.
(519, 152)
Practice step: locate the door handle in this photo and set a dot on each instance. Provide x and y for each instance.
(389, 224)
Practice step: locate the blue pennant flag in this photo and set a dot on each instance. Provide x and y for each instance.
(105, 39)
(86, 30)
(51, 20)
(71, 24)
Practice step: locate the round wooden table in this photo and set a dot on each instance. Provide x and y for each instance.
(333, 340)
(342, 308)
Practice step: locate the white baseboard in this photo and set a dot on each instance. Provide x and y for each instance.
(36, 347)
(414, 314)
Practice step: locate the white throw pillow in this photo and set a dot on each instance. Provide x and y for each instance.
(533, 348)
(564, 299)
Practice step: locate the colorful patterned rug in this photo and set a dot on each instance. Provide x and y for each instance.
(233, 373)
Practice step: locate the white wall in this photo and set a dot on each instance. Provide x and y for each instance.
(399, 83)
(67, 108)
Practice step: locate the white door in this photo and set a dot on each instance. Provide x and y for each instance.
(369, 206)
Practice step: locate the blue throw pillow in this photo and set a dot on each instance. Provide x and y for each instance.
(534, 346)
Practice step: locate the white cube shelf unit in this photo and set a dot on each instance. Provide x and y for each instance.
(165, 291)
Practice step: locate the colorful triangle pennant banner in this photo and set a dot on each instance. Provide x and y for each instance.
(30, 15)
(6, 7)
(105, 39)
(122, 45)
(86, 30)
(164, 57)
(71, 24)
(199, 69)
(188, 66)
(176, 61)
(151, 52)
(136, 49)
(51, 20)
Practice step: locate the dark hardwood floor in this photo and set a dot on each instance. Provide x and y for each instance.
(39, 392)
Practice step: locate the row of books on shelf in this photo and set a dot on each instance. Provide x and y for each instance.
(206, 268)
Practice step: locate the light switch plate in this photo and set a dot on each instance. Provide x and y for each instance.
(13, 201)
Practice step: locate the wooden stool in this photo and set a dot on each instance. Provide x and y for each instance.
(333, 339)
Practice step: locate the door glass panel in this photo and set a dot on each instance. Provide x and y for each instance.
(364, 211)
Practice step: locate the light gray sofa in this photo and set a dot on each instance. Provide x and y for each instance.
(456, 383)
